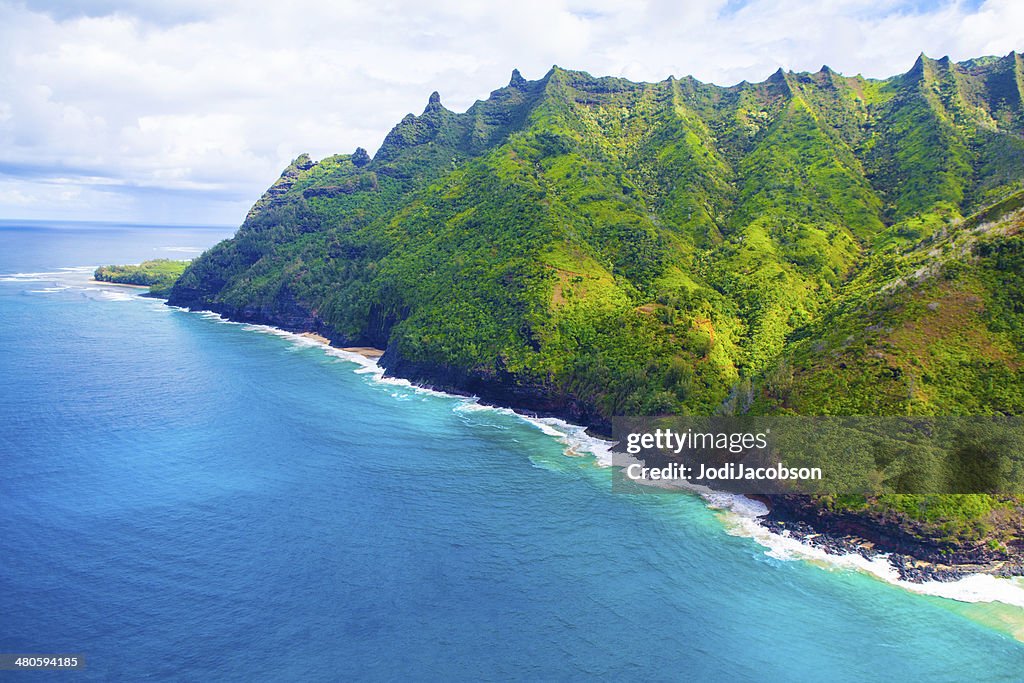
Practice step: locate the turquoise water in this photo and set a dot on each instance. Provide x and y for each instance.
(186, 499)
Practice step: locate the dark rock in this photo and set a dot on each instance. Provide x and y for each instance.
(916, 557)
(360, 157)
(434, 103)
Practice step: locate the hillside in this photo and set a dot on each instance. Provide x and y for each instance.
(814, 243)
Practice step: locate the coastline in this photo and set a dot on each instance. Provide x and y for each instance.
(365, 351)
(915, 560)
(94, 281)
(741, 515)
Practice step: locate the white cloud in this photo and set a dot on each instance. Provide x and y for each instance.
(191, 108)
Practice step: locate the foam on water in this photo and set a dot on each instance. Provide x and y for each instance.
(29, 277)
(74, 280)
(575, 438)
(47, 290)
(109, 295)
(740, 516)
(181, 250)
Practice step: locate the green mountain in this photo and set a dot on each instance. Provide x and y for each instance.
(814, 243)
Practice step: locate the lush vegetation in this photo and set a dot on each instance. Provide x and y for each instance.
(812, 244)
(157, 274)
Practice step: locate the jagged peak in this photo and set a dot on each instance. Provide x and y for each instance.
(434, 103)
(988, 60)
(303, 162)
(826, 77)
(517, 80)
(360, 157)
(986, 63)
(554, 78)
(556, 73)
(918, 72)
(781, 79)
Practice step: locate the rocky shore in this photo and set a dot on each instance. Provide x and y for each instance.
(916, 559)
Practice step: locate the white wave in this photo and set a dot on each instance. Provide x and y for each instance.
(379, 377)
(48, 290)
(110, 295)
(28, 277)
(61, 274)
(366, 365)
(738, 504)
(297, 340)
(216, 317)
(575, 438)
(181, 250)
(370, 366)
(740, 517)
(472, 405)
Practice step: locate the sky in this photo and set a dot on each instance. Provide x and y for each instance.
(185, 111)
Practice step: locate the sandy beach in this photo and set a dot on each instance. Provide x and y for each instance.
(117, 284)
(317, 337)
(365, 351)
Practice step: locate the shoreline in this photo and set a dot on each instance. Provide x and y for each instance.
(364, 351)
(750, 514)
(910, 569)
(94, 281)
(915, 560)
(370, 352)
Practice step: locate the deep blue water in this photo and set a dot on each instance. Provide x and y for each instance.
(186, 499)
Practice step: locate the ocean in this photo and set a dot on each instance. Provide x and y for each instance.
(184, 498)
